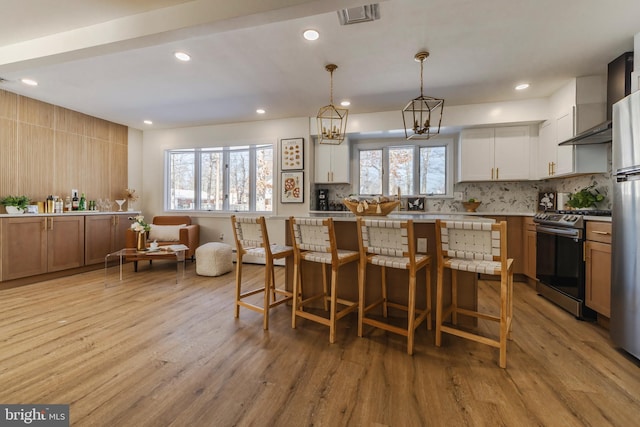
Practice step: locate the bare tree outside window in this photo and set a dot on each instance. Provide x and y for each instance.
(433, 170)
(182, 180)
(401, 167)
(264, 178)
(414, 169)
(238, 178)
(370, 171)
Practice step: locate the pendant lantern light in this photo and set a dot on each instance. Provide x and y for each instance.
(332, 121)
(421, 113)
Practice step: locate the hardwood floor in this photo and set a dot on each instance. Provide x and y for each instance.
(149, 352)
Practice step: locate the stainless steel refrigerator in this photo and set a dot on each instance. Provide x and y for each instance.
(625, 275)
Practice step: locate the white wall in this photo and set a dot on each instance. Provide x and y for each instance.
(150, 160)
(155, 143)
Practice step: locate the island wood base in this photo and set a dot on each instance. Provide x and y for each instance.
(397, 280)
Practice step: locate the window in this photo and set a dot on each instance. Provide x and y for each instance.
(237, 178)
(415, 169)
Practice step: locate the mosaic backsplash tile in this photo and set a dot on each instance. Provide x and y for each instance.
(513, 197)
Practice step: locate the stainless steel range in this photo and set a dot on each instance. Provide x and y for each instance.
(560, 259)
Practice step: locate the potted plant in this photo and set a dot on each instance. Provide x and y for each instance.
(15, 204)
(585, 198)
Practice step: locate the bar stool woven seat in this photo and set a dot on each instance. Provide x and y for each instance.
(476, 247)
(251, 237)
(314, 241)
(391, 244)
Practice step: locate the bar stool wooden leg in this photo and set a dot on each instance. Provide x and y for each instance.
(296, 292)
(325, 287)
(334, 303)
(411, 309)
(385, 310)
(238, 285)
(504, 327)
(439, 306)
(427, 269)
(454, 297)
(267, 283)
(362, 302)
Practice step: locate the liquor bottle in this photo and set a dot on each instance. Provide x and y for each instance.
(50, 206)
(83, 203)
(67, 204)
(75, 202)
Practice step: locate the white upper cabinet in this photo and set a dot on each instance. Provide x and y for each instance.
(575, 107)
(332, 163)
(494, 154)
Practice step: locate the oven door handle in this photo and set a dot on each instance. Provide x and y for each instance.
(558, 231)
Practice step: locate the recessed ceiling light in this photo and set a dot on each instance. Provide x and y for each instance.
(260, 111)
(29, 82)
(345, 103)
(522, 86)
(148, 122)
(182, 56)
(311, 35)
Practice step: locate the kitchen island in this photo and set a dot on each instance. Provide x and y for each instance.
(347, 238)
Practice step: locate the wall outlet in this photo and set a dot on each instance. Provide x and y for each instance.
(458, 195)
(422, 245)
(221, 237)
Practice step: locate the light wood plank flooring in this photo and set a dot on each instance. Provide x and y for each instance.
(149, 352)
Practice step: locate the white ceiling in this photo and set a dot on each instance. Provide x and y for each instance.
(113, 59)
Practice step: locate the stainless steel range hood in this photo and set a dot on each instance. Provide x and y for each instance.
(618, 86)
(599, 134)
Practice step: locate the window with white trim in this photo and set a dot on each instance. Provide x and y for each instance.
(425, 168)
(235, 178)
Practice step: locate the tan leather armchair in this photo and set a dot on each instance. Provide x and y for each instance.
(189, 235)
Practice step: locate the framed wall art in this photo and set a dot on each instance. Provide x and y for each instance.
(292, 154)
(292, 187)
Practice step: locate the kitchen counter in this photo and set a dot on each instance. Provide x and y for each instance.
(430, 213)
(427, 218)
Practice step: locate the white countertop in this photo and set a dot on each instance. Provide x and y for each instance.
(416, 217)
(24, 215)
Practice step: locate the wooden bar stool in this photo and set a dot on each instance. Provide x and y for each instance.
(250, 234)
(391, 244)
(477, 247)
(314, 241)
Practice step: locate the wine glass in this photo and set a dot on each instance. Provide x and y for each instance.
(120, 202)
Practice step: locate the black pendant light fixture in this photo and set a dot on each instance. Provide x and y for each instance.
(423, 115)
(332, 121)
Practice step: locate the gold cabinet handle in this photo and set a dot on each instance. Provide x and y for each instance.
(497, 173)
(491, 173)
(604, 233)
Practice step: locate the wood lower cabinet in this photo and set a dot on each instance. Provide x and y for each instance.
(33, 245)
(514, 240)
(104, 234)
(598, 267)
(529, 247)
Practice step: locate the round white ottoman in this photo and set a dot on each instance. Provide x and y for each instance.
(214, 259)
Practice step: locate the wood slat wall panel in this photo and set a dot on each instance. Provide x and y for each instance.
(69, 155)
(35, 175)
(8, 149)
(97, 128)
(118, 167)
(35, 112)
(118, 134)
(96, 171)
(47, 149)
(69, 121)
(8, 105)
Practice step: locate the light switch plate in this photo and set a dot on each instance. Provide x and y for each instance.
(422, 245)
(458, 195)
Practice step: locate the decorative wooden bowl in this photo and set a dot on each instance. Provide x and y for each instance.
(374, 209)
(471, 206)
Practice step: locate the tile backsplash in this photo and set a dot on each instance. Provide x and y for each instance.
(517, 196)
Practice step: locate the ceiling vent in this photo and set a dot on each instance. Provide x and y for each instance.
(356, 15)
